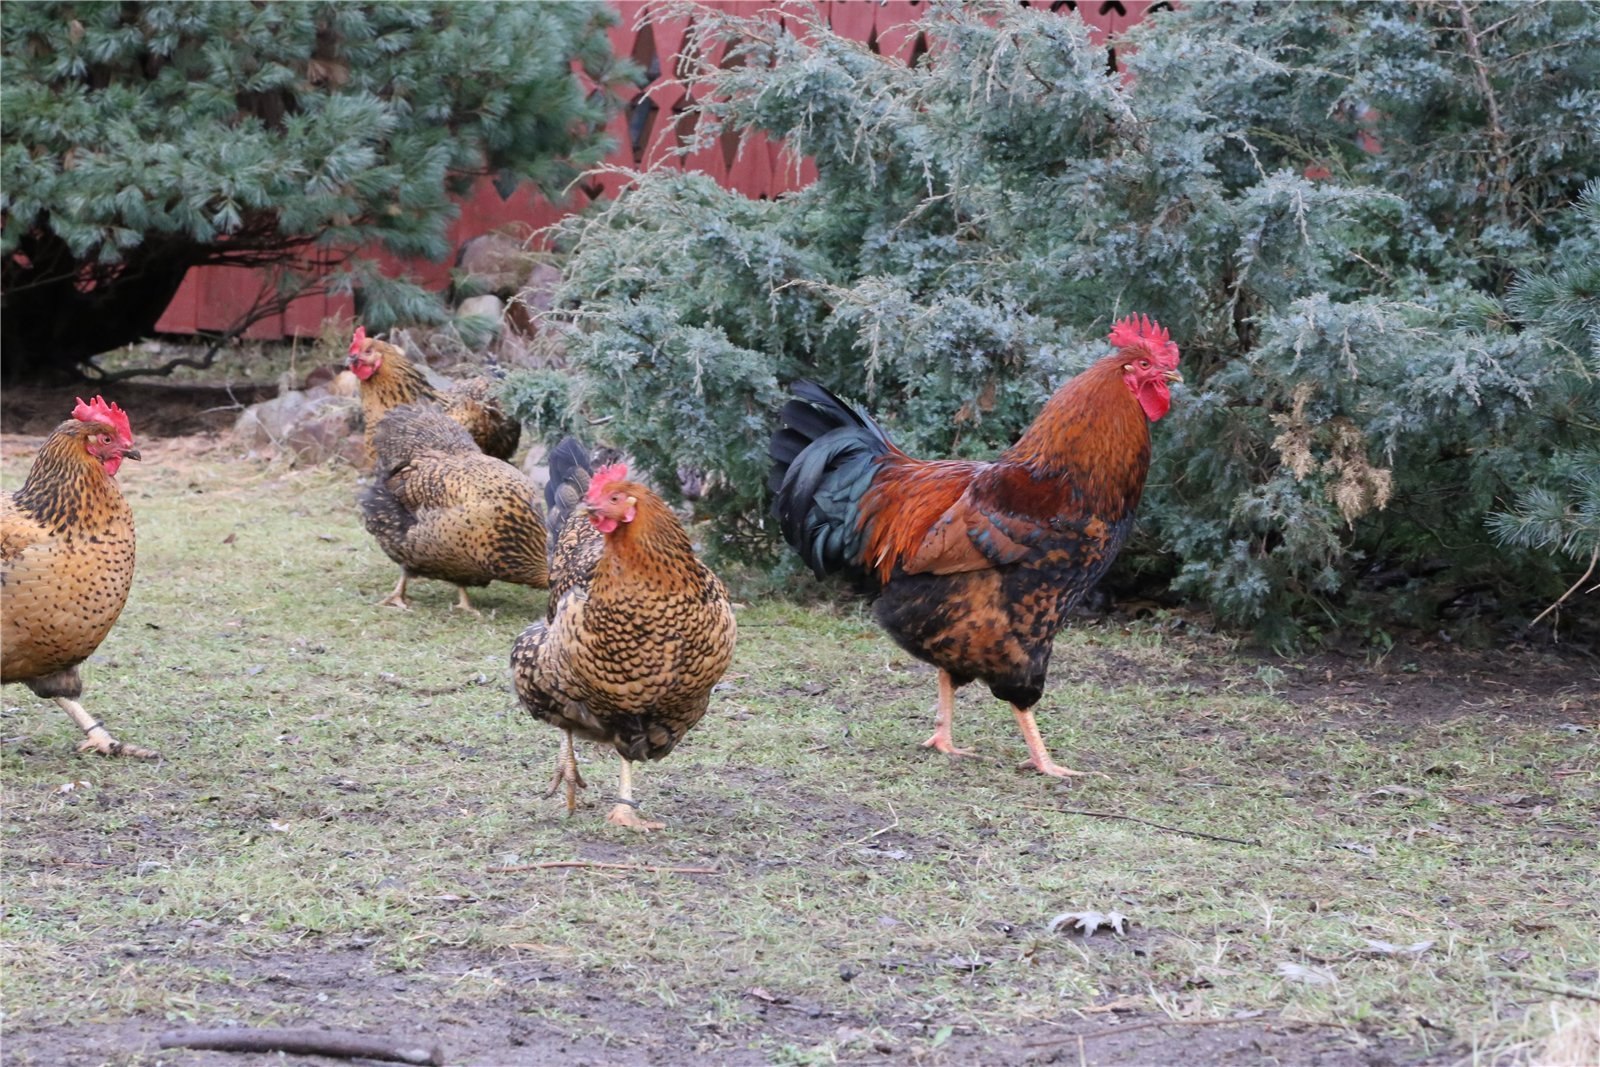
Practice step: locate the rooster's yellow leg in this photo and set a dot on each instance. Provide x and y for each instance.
(625, 812)
(97, 738)
(1038, 756)
(941, 740)
(397, 599)
(567, 773)
(462, 603)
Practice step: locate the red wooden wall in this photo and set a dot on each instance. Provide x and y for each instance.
(213, 298)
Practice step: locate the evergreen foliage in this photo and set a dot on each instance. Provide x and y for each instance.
(1329, 204)
(142, 139)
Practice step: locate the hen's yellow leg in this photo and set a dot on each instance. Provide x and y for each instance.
(941, 740)
(567, 773)
(626, 810)
(462, 603)
(97, 738)
(1038, 756)
(397, 599)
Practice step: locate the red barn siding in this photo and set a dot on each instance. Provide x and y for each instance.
(212, 298)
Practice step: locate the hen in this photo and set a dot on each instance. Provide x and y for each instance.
(66, 562)
(442, 509)
(389, 379)
(975, 565)
(638, 630)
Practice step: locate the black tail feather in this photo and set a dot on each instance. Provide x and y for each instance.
(823, 460)
(570, 472)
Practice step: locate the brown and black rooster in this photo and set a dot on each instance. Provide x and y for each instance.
(638, 630)
(389, 379)
(66, 562)
(975, 565)
(442, 509)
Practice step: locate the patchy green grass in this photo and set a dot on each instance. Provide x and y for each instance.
(340, 781)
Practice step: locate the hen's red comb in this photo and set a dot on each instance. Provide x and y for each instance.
(603, 479)
(359, 341)
(1141, 331)
(97, 410)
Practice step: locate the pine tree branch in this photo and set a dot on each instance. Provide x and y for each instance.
(1594, 558)
(1497, 132)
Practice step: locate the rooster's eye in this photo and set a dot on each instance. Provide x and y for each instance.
(1145, 363)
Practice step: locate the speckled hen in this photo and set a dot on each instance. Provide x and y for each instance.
(442, 509)
(638, 632)
(66, 562)
(975, 565)
(389, 379)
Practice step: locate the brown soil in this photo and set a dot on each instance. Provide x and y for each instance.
(156, 409)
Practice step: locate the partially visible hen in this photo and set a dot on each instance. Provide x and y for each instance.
(975, 565)
(388, 379)
(442, 509)
(66, 562)
(638, 631)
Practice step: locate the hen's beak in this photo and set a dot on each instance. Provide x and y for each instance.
(131, 453)
(1172, 376)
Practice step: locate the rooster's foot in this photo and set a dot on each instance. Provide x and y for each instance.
(942, 743)
(1055, 770)
(623, 815)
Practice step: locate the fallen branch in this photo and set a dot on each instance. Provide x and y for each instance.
(548, 864)
(1553, 990)
(342, 1044)
(1175, 1022)
(1157, 825)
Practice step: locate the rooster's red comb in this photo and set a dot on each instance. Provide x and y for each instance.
(1141, 331)
(97, 410)
(604, 479)
(359, 342)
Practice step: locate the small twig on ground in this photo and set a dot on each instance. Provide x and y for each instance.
(342, 1044)
(1153, 1023)
(548, 864)
(1553, 990)
(1147, 822)
(879, 832)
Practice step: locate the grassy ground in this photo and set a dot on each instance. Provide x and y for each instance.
(320, 845)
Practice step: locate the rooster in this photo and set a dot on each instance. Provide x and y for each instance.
(389, 379)
(637, 633)
(442, 509)
(975, 565)
(66, 562)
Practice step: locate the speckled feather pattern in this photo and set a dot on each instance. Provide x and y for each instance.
(473, 403)
(441, 509)
(66, 564)
(638, 633)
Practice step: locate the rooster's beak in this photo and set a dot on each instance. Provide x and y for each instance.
(1172, 376)
(132, 453)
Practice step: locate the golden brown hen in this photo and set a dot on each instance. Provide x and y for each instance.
(66, 562)
(442, 509)
(389, 379)
(638, 630)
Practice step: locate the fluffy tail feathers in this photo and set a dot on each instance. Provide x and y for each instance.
(823, 461)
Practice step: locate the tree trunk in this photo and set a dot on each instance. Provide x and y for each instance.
(55, 315)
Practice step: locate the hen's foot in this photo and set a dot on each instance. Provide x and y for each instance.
(942, 743)
(463, 604)
(624, 815)
(99, 740)
(395, 600)
(567, 775)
